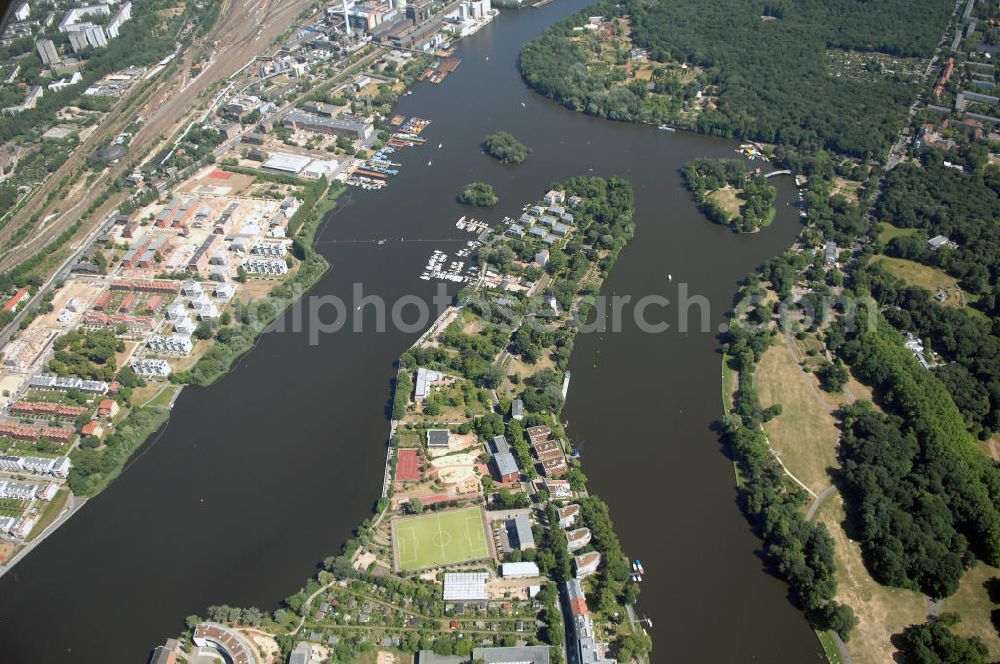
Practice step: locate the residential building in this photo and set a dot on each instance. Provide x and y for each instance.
(47, 51)
(163, 655)
(107, 408)
(30, 434)
(555, 467)
(422, 386)
(506, 467)
(939, 241)
(62, 384)
(45, 409)
(830, 253)
(568, 515)
(586, 564)
(92, 428)
(538, 433)
(582, 639)
(577, 539)
(151, 367)
(553, 197)
(558, 488)
(499, 445)
(233, 645)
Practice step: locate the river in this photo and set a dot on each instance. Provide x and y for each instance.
(258, 478)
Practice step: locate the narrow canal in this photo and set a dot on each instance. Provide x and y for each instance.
(257, 479)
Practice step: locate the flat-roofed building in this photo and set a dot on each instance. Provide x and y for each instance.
(465, 586)
(438, 438)
(346, 126)
(519, 530)
(512, 655)
(287, 162)
(506, 466)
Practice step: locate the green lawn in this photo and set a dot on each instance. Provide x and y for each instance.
(445, 538)
(889, 232)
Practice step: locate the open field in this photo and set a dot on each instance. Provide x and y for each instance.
(728, 198)
(846, 188)
(434, 540)
(972, 602)
(925, 276)
(881, 611)
(805, 433)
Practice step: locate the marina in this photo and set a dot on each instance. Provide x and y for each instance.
(374, 172)
(455, 271)
(471, 225)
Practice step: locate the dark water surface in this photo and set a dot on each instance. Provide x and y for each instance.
(258, 478)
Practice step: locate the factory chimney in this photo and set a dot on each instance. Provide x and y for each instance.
(347, 20)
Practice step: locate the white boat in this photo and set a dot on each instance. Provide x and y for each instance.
(425, 276)
(664, 127)
(440, 145)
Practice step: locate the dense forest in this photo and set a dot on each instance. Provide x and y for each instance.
(935, 200)
(479, 194)
(503, 146)
(754, 196)
(926, 496)
(940, 200)
(771, 75)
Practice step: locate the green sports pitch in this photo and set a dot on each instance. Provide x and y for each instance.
(435, 540)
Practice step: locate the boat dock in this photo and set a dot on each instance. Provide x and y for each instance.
(437, 72)
(374, 172)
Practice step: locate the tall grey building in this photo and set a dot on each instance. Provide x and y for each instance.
(47, 51)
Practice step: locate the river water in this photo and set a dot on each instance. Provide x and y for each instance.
(258, 478)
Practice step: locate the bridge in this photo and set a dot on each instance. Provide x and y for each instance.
(773, 173)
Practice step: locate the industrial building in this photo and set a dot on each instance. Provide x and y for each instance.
(346, 125)
(287, 162)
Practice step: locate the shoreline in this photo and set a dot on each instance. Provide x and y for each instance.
(315, 217)
(360, 548)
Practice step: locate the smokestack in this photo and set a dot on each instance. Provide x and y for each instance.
(347, 20)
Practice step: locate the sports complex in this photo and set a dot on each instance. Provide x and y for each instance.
(439, 539)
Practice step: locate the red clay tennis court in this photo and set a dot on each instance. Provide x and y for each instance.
(408, 466)
(220, 175)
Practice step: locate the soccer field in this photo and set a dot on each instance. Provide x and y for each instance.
(433, 540)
